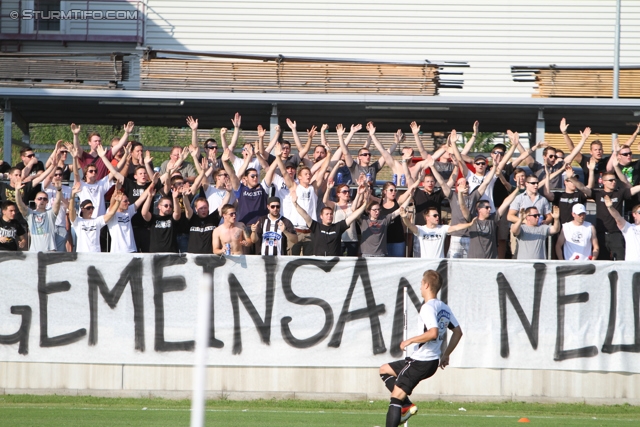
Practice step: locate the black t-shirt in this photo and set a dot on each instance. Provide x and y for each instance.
(36, 168)
(601, 167)
(395, 231)
(604, 220)
(7, 192)
(200, 231)
(327, 239)
(423, 200)
(133, 190)
(500, 192)
(4, 167)
(565, 202)
(162, 233)
(9, 232)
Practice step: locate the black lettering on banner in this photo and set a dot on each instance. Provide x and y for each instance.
(209, 263)
(372, 311)
(287, 275)
(608, 346)
(44, 289)
(22, 336)
(562, 272)
(132, 274)
(443, 271)
(237, 292)
(505, 291)
(162, 285)
(398, 315)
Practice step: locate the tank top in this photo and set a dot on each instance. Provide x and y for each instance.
(577, 240)
(339, 214)
(395, 232)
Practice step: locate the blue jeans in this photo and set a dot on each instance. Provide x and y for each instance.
(396, 250)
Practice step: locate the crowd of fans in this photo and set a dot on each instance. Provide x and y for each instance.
(323, 201)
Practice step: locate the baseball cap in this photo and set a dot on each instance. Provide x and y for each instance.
(578, 209)
(479, 157)
(290, 164)
(273, 199)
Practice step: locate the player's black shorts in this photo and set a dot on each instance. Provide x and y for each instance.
(410, 372)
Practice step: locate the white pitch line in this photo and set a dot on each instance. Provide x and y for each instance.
(323, 412)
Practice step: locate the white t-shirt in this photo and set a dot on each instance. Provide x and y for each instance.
(475, 181)
(214, 196)
(88, 233)
(283, 193)
(307, 200)
(122, 240)
(253, 164)
(577, 245)
(433, 314)
(631, 233)
(66, 195)
(95, 193)
(42, 230)
(432, 241)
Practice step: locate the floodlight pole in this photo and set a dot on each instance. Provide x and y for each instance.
(616, 60)
(202, 344)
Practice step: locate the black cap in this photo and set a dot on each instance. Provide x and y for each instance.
(273, 199)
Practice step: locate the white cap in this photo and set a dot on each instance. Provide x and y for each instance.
(578, 209)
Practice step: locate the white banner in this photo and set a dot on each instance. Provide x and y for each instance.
(290, 311)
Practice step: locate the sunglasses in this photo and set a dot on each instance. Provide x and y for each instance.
(534, 215)
(223, 174)
(57, 174)
(435, 216)
(92, 171)
(29, 155)
(609, 180)
(552, 156)
(165, 206)
(253, 176)
(42, 198)
(498, 153)
(480, 163)
(365, 155)
(626, 154)
(88, 208)
(64, 152)
(533, 182)
(344, 191)
(212, 148)
(391, 190)
(275, 206)
(484, 207)
(232, 214)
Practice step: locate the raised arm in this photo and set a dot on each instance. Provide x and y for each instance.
(446, 189)
(515, 227)
(405, 220)
(326, 196)
(559, 244)
(19, 202)
(620, 221)
(57, 200)
(296, 138)
(116, 198)
(237, 119)
(567, 139)
(486, 181)
(386, 156)
(128, 128)
(72, 201)
(235, 181)
(343, 145)
(579, 185)
(415, 129)
(472, 140)
(504, 207)
(356, 214)
(555, 214)
(113, 172)
(452, 142)
(273, 142)
(584, 135)
(75, 129)
(193, 124)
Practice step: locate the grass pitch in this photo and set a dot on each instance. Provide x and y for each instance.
(25, 410)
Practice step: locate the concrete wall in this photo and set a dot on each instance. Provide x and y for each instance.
(242, 383)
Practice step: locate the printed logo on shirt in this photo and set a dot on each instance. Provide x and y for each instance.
(88, 228)
(137, 192)
(255, 193)
(124, 219)
(443, 318)
(577, 237)
(271, 237)
(9, 233)
(431, 237)
(163, 224)
(202, 229)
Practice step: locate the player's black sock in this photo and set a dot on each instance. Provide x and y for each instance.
(406, 402)
(394, 412)
(389, 381)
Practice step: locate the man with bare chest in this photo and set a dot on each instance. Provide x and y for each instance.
(230, 233)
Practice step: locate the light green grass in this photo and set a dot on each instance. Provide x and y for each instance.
(24, 410)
